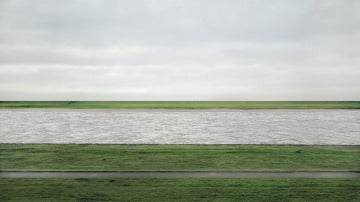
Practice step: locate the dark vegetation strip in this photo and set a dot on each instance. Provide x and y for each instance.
(179, 189)
(229, 158)
(179, 174)
(183, 104)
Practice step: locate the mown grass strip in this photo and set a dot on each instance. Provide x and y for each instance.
(231, 158)
(179, 189)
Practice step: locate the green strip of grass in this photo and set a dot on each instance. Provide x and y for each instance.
(43, 157)
(179, 190)
(183, 104)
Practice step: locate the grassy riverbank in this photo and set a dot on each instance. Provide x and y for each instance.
(179, 189)
(43, 157)
(183, 104)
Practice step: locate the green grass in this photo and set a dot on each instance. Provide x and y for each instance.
(184, 104)
(43, 157)
(40, 157)
(179, 189)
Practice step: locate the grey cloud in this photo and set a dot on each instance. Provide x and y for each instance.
(180, 50)
(103, 23)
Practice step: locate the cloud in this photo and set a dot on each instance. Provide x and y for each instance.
(179, 50)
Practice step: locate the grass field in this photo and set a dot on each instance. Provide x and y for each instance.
(179, 190)
(43, 157)
(183, 105)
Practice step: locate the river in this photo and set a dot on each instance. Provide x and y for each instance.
(308, 127)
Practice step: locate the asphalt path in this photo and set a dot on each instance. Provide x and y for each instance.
(179, 174)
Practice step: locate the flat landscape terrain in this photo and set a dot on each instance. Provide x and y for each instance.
(183, 104)
(179, 158)
(230, 158)
(179, 189)
(44, 157)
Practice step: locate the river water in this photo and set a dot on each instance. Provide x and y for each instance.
(309, 127)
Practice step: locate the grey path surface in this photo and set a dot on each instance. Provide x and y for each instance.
(179, 174)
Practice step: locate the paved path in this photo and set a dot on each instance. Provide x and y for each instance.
(179, 174)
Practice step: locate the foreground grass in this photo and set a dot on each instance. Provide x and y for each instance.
(183, 104)
(179, 189)
(43, 157)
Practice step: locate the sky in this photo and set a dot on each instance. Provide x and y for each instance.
(180, 50)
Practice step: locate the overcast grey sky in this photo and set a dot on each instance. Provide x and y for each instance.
(180, 50)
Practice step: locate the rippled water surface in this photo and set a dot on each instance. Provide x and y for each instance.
(341, 127)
